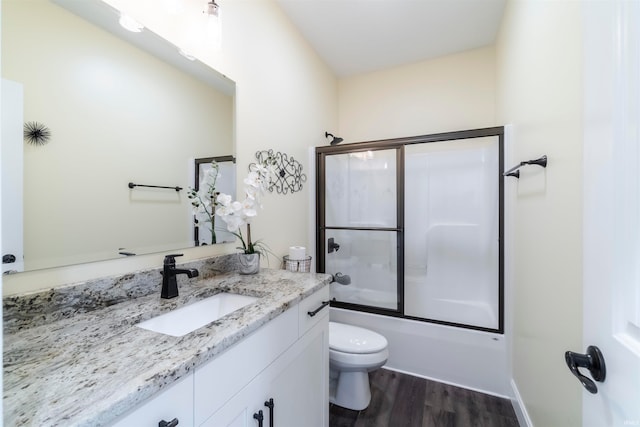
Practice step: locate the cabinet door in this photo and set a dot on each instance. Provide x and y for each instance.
(217, 381)
(297, 381)
(240, 410)
(300, 390)
(175, 402)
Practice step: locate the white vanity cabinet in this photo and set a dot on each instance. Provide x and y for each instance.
(174, 403)
(286, 360)
(296, 378)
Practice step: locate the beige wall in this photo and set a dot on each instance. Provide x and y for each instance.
(451, 93)
(539, 70)
(286, 98)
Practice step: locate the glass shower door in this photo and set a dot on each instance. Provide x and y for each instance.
(451, 258)
(361, 227)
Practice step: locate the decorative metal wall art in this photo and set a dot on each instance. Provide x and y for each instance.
(36, 133)
(289, 176)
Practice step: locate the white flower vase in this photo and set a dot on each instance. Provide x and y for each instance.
(248, 263)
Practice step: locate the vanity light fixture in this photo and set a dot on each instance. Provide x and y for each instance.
(130, 24)
(335, 139)
(214, 25)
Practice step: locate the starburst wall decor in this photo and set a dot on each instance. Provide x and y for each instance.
(36, 133)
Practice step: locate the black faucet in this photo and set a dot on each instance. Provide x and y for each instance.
(169, 283)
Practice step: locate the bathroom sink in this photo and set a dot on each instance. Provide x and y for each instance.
(186, 319)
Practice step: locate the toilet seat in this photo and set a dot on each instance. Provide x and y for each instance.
(352, 339)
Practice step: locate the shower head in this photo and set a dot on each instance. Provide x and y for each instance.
(335, 140)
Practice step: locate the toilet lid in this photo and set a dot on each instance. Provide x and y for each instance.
(352, 339)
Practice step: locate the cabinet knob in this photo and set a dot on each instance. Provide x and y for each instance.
(258, 416)
(172, 423)
(269, 404)
(317, 310)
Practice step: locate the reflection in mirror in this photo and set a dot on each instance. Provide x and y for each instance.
(210, 228)
(117, 114)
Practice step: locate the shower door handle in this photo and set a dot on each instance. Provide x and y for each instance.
(593, 360)
(332, 246)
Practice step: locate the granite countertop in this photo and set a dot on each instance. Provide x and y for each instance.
(88, 368)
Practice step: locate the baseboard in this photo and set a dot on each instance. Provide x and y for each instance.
(519, 407)
(413, 374)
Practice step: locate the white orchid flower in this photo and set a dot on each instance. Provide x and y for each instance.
(236, 206)
(234, 223)
(252, 180)
(224, 211)
(249, 212)
(252, 192)
(203, 201)
(224, 199)
(239, 213)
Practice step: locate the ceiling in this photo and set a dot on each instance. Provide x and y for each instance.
(360, 36)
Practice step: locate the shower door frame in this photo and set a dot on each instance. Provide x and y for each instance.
(399, 144)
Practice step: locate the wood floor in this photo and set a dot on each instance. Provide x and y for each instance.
(399, 400)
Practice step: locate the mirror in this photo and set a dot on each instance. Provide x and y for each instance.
(117, 114)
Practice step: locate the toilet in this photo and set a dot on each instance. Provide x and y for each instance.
(353, 353)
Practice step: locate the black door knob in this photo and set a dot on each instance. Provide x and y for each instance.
(593, 360)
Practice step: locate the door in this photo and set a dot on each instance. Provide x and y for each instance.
(361, 227)
(12, 161)
(396, 218)
(452, 229)
(299, 391)
(612, 208)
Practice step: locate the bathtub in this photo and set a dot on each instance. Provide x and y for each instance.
(465, 358)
